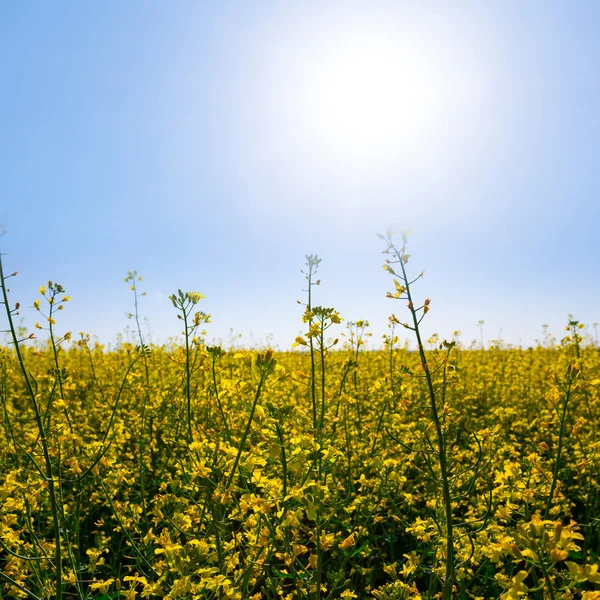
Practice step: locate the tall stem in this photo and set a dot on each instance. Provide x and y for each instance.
(441, 440)
(188, 392)
(261, 382)
(142, 466)
(313, 383)
(560, 446)
(58, 371)
(50, 480)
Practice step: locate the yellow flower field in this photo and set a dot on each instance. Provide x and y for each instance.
(191, 471)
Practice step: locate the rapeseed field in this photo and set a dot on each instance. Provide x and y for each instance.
(202, 472)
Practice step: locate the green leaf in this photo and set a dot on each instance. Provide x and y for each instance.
(281, 575)
(359, 550)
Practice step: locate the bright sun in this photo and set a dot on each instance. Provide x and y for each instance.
(374, 99)
(367, 99)
(360, 107)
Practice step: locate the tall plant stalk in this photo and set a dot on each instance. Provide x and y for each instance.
(403, 291)
(49, 472)
(184, 303)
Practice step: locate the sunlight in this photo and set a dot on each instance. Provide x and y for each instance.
(367, 99)
(360, 108)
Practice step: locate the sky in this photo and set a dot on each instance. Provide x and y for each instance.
(212, 145)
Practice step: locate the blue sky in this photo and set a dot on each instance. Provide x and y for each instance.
(211, 145)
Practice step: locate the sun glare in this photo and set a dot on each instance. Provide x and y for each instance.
(363, 100)
(369, 100)
(358, 107)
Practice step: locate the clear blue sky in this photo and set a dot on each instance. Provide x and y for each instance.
(211, 145)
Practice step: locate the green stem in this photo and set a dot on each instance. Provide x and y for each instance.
(58, 372)
(261, 381)
(441, 442)
(50, 481)
(560, 447)
(221, 411)
(188, 392)
(546, 575)
(142, 445)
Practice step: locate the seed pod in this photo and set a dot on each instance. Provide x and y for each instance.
(546, 538)
(532, 531)
(557, 531)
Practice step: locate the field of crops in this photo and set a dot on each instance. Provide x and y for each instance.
(191, 471)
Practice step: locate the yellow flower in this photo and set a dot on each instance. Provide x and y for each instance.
(102, 586)
(194, 297)
(556, 555)
(348, 542)
(300, 341)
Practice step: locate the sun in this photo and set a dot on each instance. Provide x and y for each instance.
(366, 99)
(355, 108)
